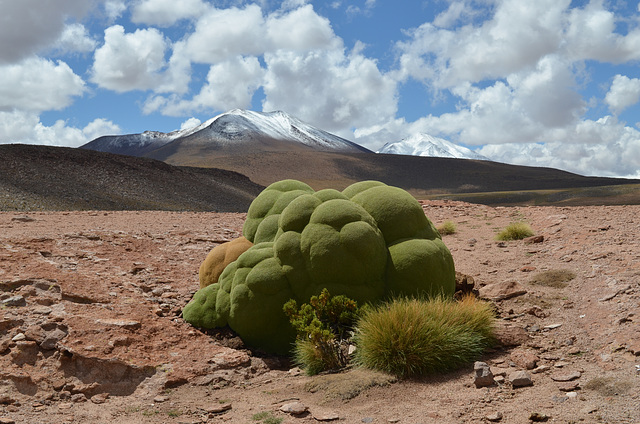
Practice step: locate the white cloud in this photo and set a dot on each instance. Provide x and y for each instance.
(190, 123)
(230, 85)
(328, 89)
(114, 9)
(129, 61)
(26, 128)
(624, 92)
(592, 35)
(301, 29)
(604, 147)
(37, 84)
(29, 26)
(224, 33)
(75, 38)
(517, 36)
(165, 12)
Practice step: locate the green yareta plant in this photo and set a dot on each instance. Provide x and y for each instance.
(369, 242)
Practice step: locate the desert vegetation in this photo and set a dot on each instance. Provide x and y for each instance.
(515, 231)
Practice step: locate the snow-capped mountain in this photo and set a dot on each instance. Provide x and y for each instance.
(236, 129)
(425, 145)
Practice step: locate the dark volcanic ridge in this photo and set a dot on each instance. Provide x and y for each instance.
(60, 178)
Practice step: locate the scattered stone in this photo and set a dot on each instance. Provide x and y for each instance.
(559, 398)
(589, 409)
(5, 420)
(561, 364)
(128, 324)
(534, 239)
(524, 358)
(499, 379)
(572, 395)
(552, 326)
(332, 416)
(569, 386)
(537, 417)
(100, 398)
(509, 335)
(567, 377)
(78, 397)
(495, 417)
(367, 420)
(502, 290)
(483, 375)
(65, 405)
(22, 219)
(520, 379)
(294, 408)
(15, 301)
(540, 369)
(19, 337)
(160, 399)
(219, 408)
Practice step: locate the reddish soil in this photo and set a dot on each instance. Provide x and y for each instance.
(90, 327)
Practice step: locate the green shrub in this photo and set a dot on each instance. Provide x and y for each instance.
(409, 337)
(448, 227)
(322, 326)
(515, 231)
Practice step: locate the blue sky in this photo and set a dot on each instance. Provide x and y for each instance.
(544, 83)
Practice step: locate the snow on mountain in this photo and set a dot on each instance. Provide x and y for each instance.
(425, 145)
(234, 127)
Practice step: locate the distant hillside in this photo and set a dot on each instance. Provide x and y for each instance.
(422, 176)
(58, 178)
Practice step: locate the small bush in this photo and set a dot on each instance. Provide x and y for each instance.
(322, 325)
(448, 227)
(409, 337)
(515, 231)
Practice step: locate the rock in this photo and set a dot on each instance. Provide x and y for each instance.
(499, 379)
(540, 369)
(502, 290)
(78, 397)
(294, 408)
(509, 336)
(6, 420)
(219, 408)
(524, 358)
(19, 337)
(552, 326)
(569, 386)
(15, 301)
(25, 352)
(128, 324)
(47, 335)
(566, 377)
(495, 417)
(22, 219)
(572, 395)
(160, 399)
(520, 379)
(534, 239)
(537, 417)
(100, 398)
(483, 375)
(330, 416)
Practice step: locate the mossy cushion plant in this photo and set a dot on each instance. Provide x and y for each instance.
(368, 242)
(218, 259)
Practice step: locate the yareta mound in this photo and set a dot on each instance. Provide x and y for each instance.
(369, 242)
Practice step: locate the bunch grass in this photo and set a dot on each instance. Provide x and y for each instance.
(515, 231)
(411, 337)
(448, 227)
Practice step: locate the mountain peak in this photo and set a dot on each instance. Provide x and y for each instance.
(422, 144)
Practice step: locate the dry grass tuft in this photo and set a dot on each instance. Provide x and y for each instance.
(515, 231)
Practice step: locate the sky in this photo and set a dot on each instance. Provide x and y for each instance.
(553, 83)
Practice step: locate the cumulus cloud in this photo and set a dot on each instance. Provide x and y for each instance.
(129, 61)
(190, 123)
(75, 38)
(26, 128)
(624, 92)
(36, 84)
(229, 85)
(224, 33)
(329, 89)
(165, 13)
(114, 8)
(24, 32)
(604, 147)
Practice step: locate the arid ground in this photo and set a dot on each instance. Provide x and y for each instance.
(90, 327)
